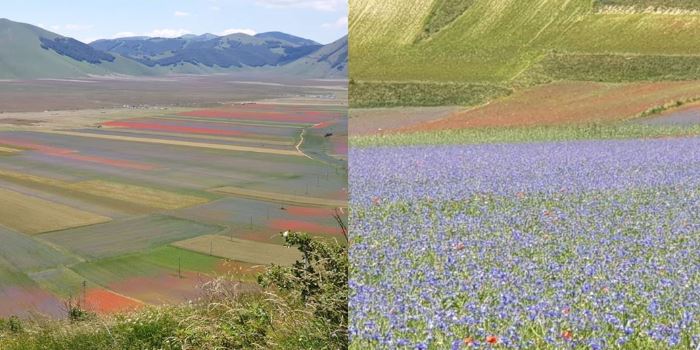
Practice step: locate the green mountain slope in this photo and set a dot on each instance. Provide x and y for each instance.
(515, 41)
(330, 61)
(23, 57)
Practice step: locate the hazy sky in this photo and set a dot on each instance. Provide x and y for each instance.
(88, 20)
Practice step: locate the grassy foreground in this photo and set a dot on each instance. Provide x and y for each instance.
(299, 307)
(525, 134)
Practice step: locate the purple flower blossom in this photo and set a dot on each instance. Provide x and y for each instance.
(525, 242)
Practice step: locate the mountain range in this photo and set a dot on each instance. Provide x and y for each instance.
(30, 52)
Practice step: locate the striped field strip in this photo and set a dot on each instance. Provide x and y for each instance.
(201, 137)
(177, 143)
(244, 122)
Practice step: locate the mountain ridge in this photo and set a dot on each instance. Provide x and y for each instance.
(30, 52)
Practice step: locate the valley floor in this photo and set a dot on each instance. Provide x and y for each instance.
(117, 208)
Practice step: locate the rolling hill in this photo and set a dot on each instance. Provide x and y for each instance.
(29, 52)
(330, 61)
(517, 42)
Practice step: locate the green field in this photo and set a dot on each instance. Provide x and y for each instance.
(514, 43)
(164, 259)
(130, 235)
(29, 254)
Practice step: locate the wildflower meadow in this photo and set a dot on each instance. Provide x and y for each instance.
(552, 245)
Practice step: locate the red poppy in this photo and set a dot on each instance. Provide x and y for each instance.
(566, 311)
(567, 335)
(492, 339)
(459, 246)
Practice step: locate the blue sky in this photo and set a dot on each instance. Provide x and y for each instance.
(88, 20)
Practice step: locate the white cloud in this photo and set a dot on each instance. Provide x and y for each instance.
(342, 22)
(321, 5)
(181, 14)
(124, 35)
(215, 8)
(168, 33)
(71, 27)
(238, 30)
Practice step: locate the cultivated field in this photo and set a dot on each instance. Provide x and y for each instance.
(548, 245)
(94, 201)
(281, 197)
(241, 250)
(555, 204)
(569, 103)
(32, 216)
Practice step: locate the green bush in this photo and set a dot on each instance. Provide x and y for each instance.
(319, 282)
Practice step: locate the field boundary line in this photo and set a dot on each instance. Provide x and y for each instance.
(176, 143)
(280, 197)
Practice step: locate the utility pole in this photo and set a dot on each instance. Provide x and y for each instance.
(84, 294)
